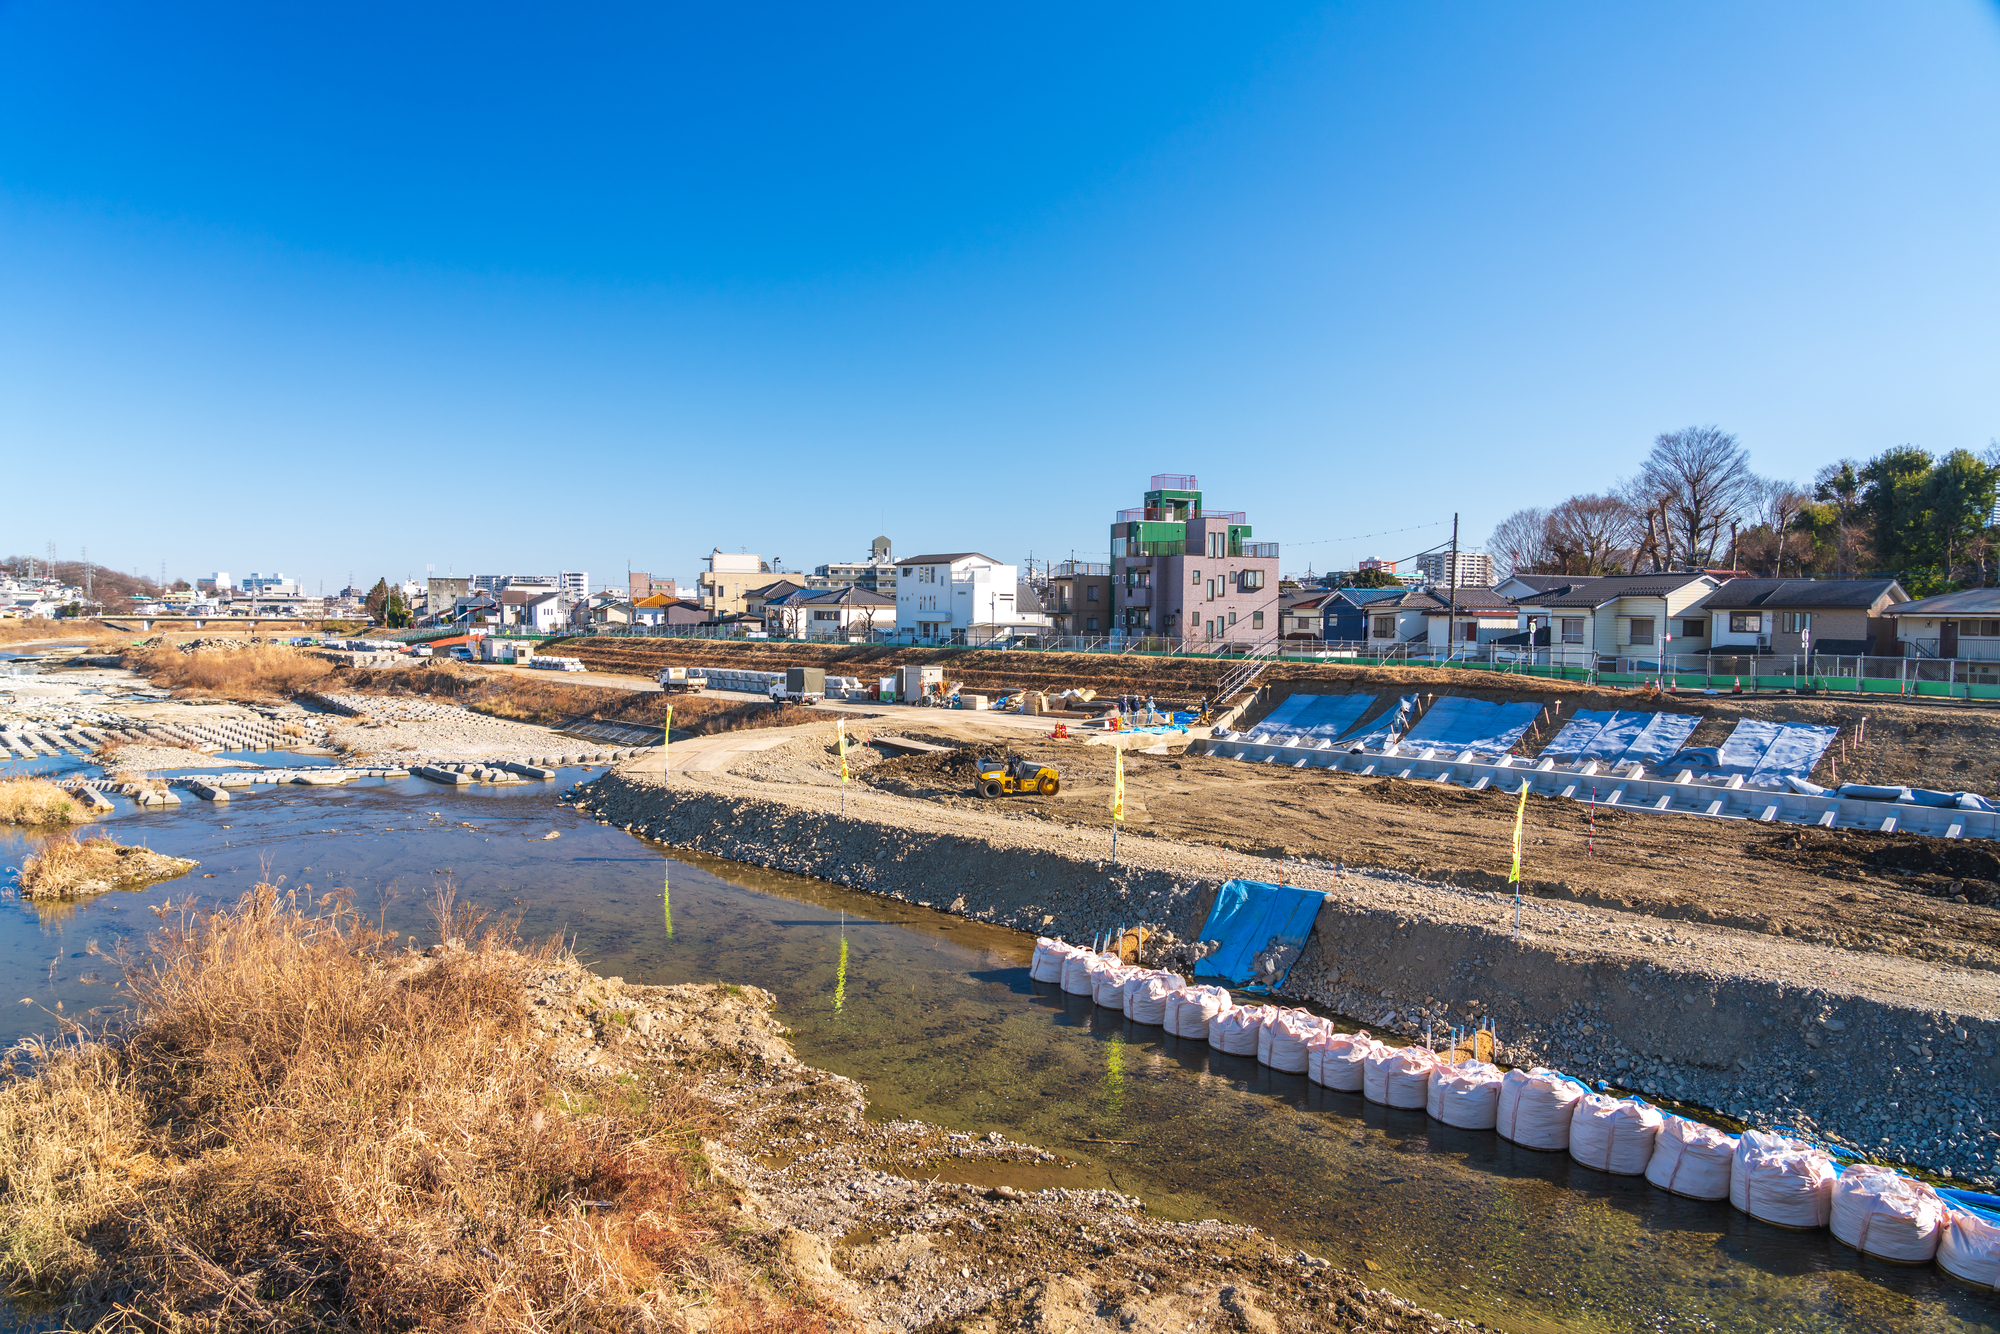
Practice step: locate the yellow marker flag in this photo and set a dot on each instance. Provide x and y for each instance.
(841, 728)
(1520, 814)
(1118, 784)
(666, 731)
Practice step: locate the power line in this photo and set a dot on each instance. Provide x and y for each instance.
(1391, 532)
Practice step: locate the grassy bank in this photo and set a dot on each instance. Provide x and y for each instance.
(550, 700)
(36, 801)
(253, 673)
(67, 867)
(309, 1128)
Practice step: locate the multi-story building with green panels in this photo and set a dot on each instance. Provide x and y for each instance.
(1184, 572)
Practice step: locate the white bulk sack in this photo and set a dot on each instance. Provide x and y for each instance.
(1235, 1031)
(1110, 989)
(1613, 1135)
(1079, 975)
(1692, 1159)
(1285, 1043)
(1148, 1004)
(1970, 1248)
(1050, 958)
(1535, 1108)
(1339, 1060)
(1466, 1095)
(1190, 1011)
(1885, 1214)
(1783, 1181)
(1398, 1076)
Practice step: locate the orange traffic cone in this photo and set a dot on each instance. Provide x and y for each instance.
(1739, 686)
(1061, 733)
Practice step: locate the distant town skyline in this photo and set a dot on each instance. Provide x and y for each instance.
(359, 292)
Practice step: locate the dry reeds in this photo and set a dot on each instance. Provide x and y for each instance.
(306, 1128)
(67, 866)
(36, 801)
(253, 672)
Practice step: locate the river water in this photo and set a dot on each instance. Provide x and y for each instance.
(937, 1017)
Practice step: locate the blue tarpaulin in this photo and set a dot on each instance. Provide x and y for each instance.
(1457, 722)
(1262, 927)
(1387, 726)
(1317, 716)
(1766, 754)
(1620, 737)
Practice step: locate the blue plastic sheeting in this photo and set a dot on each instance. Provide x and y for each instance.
(1263, 929)
(1316, 716)
(1986, 1206)
(1766, 754)
(1384, 730)
(1456, 722)
(1618, 738)
(1915, 796)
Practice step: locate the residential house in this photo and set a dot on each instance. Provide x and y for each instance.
(1302, 615)
(756, 600)
(1345, 613)
(848, 613)
(604, 607)
(1476, 616)
(1077, 598)
(1183, 571)
(1964, 625)
(663, 609)
(963, 597)
(1527, 585)
(1618, 616)
(727, 578)
(1795, 617)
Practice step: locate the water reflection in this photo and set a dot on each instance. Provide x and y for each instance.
(937, 1017)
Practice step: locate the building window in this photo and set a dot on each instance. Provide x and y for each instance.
(1090, 624)
(1250, 580)
(1211, 590)
(1385, 627)
(1146, 577)
(1695, 629)
(1642, 630)
(1792, 621)
(1572, 629)
(1257, 621)
(1232, 618)
(1980, 629)
(1197, 579)
(1746, 622)
(1090, 593)
(1211, 629)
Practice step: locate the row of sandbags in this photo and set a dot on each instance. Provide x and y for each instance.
(1773, 1178)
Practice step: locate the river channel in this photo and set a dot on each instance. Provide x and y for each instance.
(938, 1018)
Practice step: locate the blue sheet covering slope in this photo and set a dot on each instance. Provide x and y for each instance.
(1262, 927)
(1388, 726)
(1618, 737)
(1766, 754)
(1316, 716)
(1457, 723)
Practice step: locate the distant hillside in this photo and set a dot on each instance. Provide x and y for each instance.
(107, 585)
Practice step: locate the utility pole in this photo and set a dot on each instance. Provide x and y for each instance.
(1451, 619)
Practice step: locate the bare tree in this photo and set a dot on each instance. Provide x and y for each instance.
(1698, 481)
(1521, 543)
(1590, 534)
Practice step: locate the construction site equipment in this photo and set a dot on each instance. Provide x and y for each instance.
(999, 776)
(1061, 733)
(681, 680)
(805, 681)
(1691, 1159)
(919, 683)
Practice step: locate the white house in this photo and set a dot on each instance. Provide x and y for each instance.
(850, 612)
(963, 597)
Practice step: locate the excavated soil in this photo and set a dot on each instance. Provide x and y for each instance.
(1782, 880)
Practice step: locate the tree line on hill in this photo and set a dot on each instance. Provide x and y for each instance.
(1695, 503)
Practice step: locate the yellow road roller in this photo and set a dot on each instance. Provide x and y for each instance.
(998, 776)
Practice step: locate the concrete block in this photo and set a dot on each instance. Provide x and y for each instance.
(436, 774)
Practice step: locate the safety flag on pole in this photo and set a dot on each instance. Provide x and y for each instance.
(841, 728)
(1520, 814)
(1118, 785)
(666, 735)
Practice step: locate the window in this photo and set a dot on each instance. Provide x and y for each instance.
(1211, 590)
(1250, 580)
(1197, 578)
(1090, 595)
(1146, 577)
(1385, 627)
(1090, 624)
(1211, 629)
(1746, 622)
(1572, 629)
(1694, 629)
(1642, 630)
(1980, 629)
(1794, 621)
(1232, 618)
(1256, 620)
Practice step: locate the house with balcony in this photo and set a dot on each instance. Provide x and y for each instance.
(1594, 622)
(1076, 597)
(964, 597)
(1796, 617)
(1184, 572)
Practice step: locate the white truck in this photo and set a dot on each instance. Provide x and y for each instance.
(681, 680)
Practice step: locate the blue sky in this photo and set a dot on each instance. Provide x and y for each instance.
(368, 288)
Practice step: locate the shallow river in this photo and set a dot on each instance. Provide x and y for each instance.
(938, 1018)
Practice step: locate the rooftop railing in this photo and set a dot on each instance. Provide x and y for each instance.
(1254, 550)
(1174, 481)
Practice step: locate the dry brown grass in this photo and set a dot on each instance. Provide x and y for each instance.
(14, 630)
(306, 1128)
(36, 801)
(67, 866)
(254, 672)
(533, 699)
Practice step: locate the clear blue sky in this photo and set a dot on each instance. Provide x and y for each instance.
(368, 287)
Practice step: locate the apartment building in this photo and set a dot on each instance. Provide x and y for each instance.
(728, 577)
(1187, 572)
(1472, 569)
(1076, 597)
